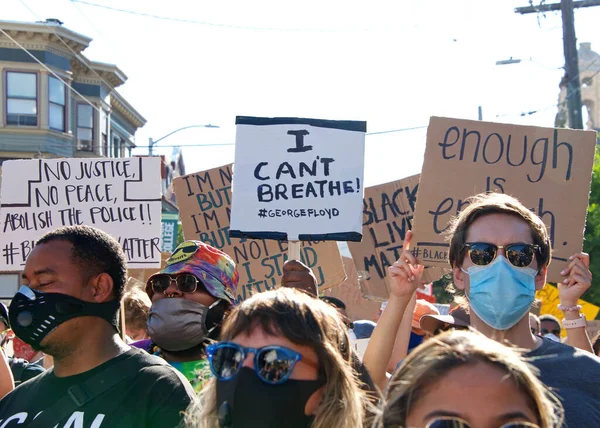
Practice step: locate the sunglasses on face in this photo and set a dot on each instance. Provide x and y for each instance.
(460, 423)
(186, 282)
(546, 331)
(272, 364)
(484, 253)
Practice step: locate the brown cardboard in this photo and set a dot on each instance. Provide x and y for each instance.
(142, 275)
(357, 307)
(548, 170)
(387, 215)
(204, 200)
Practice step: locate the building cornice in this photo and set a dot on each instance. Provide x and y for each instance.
(43, 36)
(118, 103)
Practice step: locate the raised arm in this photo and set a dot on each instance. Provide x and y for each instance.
(404, 278)
(578, 280)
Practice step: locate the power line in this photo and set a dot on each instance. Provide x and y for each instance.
(206, 23)
(80, 57)
(49, 70)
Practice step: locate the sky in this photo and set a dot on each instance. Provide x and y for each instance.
(393, 64)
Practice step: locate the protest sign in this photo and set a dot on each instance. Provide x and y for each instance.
(204, 200)
(298, 179)
(170, 230)
(542, 167)
(387, 215)
(142, 275)
(120, 196)
(357, 307)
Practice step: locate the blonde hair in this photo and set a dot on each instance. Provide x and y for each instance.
(430, 362)
(306, 321)
(137, 309)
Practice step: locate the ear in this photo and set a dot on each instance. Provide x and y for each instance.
(540, 278)
(459, 278)
(103, 287)
(312, 404)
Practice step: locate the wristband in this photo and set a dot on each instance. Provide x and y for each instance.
(566, 308)
(578, 323)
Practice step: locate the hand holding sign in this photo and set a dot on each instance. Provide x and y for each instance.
(578, 281)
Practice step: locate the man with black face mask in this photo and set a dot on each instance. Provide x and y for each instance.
(68, 307)
(189, 300)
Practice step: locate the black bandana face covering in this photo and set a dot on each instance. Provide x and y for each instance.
(33, 315)
(247, 402)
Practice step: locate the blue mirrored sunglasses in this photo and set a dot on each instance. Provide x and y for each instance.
(272, 364)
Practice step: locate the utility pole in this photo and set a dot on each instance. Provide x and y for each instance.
(570, 49)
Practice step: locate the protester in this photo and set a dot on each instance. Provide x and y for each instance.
(21, 369)
(68, 307)
(190, 298)
(358, 331)
(281, 371)
(550, 327)
(534, 323)
(457, 319)
(137, 309)
(500, 285)
(299, 276)
(462, 379)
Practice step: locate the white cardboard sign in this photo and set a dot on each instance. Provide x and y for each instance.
(119, 196)
(298, 179)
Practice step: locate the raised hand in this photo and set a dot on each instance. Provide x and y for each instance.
(578, 279)
(405, 273)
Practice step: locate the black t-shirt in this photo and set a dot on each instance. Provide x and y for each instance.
(23, 370)
(155, 396)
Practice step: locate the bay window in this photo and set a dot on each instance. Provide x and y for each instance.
(85, 127)
(21, 99)
(56, 104)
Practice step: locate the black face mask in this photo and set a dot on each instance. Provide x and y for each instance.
(246, 401)
(33, 315)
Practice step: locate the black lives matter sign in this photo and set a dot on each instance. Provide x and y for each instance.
(120, 196)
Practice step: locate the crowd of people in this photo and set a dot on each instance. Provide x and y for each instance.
(189, 355)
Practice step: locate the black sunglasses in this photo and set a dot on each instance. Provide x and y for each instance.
(186, 282)
(484, 253)
(451, 422)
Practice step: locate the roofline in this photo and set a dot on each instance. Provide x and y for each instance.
(109, 68)
(119, 103)
(48, 28)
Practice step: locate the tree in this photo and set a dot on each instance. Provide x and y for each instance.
(591, 244)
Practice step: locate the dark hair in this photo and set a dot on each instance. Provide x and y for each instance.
(334, 301)
(548, 317)
(95, 252)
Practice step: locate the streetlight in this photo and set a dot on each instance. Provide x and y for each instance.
(152, 143)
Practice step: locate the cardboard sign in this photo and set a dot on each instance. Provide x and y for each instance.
(120, 196)
(593, 328)
(542, 167)
(387, 215)
(357, 307)
(298, 179)
(548, 296)
(204, 200)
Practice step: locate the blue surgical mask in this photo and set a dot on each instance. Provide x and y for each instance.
(501, 294)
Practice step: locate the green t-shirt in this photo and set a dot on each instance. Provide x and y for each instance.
(197, 372)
